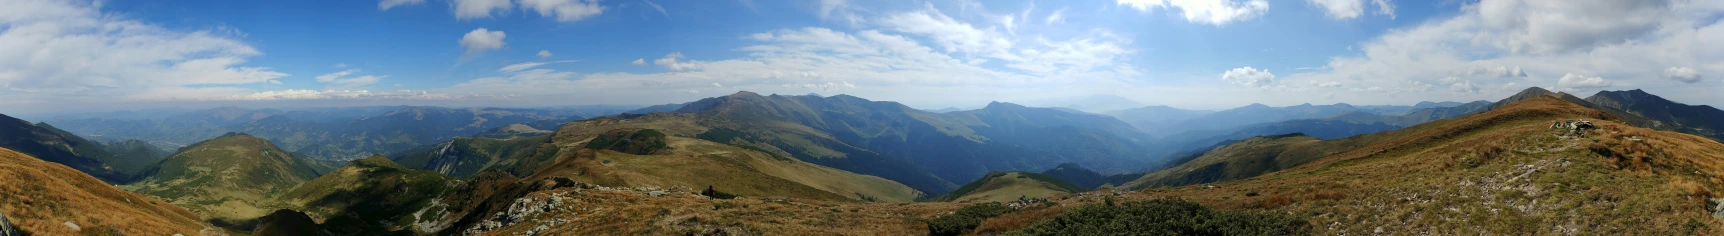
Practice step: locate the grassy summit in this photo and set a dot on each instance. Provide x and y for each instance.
(228, 179)
(1009, 186)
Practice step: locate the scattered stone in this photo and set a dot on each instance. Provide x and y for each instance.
(535, 231)
(1718, 207)
(74, 226)
(521, 210)
(656, 193)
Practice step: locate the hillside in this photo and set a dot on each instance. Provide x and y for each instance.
(1499, 172)
(133, 156)
(1698, 120)
(52, 145)
(41, 196)
(228, 180)
(1243, 159)
(466, 157)
(367, 197)
(1086, 178)
(697, 163)
(1010, 186)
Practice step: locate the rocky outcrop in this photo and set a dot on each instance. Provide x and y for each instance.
(6, 228)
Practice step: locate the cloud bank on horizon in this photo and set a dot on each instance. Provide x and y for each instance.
(67, 55)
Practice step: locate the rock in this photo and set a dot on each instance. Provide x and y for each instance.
(6, 227)
(536, 230)
(1718, 208)
(656, 193)
(74, 226)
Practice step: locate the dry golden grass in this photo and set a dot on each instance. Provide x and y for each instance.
(39, 196)
(698, 163)
(1498, 172)
(627, 212)
(1010, 187)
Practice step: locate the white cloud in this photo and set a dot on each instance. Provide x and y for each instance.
(639, 62)
(1326, 84)
(1683, 74)
(274, 81)
(481, 40)
(1341, 9)
(1058, 16)
(838, 10)
(528, 65)
(564, 10)
(543, 54)
(655, 6)
(1573, 81)
(1385, 8)
(474, 9)
(71, 52)
(339, 79)
(340, 65)
(1497, 72)
(1463, 87)
(670, 62)
(1248, 76)
(716, 85)
(1213, 12)
(386, 4)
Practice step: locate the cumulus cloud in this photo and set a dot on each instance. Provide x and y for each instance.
(564, 10)
(481, 40)
(670, 62)
(1326, 84)
(474, 9)
(1248, 76)
(1349, 9)
(1683, 74)
(1058, 16)
(386, 4)
(1463, 87)
(639, 62)
(543, 54)
(1213, 12)
(1573, 81)
(69, 51)
(1497, 71)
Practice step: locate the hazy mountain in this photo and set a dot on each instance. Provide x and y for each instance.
(1242, 159)
(228, 180)
(1092, 103)
(945, 110)
(41, 197)
(56, 146)
(133, 156)
(466, 157)
(1699, 120)
(513, 130)
(657, 108)
(1156, 119)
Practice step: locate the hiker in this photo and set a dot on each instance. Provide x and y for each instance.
(709, 192)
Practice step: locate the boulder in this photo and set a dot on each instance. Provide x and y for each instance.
(6, 228)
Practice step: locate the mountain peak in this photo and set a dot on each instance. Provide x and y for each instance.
(744, 93)
(1001, 105)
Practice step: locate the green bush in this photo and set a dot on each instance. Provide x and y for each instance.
(1167, 216)
(965, 219)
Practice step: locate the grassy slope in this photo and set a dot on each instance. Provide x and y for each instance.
(698, 163)
(229, 179)
(368, 191)
(1501, 172)
(466, 157)
(1009, 186)
(39, 196)
(1243, 159)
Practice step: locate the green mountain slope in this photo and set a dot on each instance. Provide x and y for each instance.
(1010, 186)
(1243, 159)
(368, 196)
(1086, 178)
(52, 145)
(466, 157)
(133, 156)
(229, 179)
(39, 197)
(1699, 120)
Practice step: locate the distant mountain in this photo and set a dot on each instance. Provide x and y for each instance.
(894, 141)
(367, 196)
(1092, 103)
(1699, 120)
(328, 133)
(40, 198)
(1011, 186)
(513, 130)
(133, 156)
(945, 110)
(466, 157)
(1156, 120)
(228, 180)
(658, 108)
(52, 145)
(1088, 179)
(1256, 113)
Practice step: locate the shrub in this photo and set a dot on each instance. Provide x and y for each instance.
(965, 219)
(1167, 216)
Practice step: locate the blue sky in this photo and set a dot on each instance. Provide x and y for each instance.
(126, 54)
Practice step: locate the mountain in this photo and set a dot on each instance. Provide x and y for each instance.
(893, 141)
(666, 158)
(1699, 120)
(40, 197)
(1242, 159)
(228, 180)
(1156, 120)
(513, 130)
(1091, 103)
(52, 145)
(367, 196)
(1453, 173)
(1254, 114)
(466, 157)
(1087, 179)
(133, 156)
(657, 108)
(1011, 186)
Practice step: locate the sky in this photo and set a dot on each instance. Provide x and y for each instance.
(71, 55)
